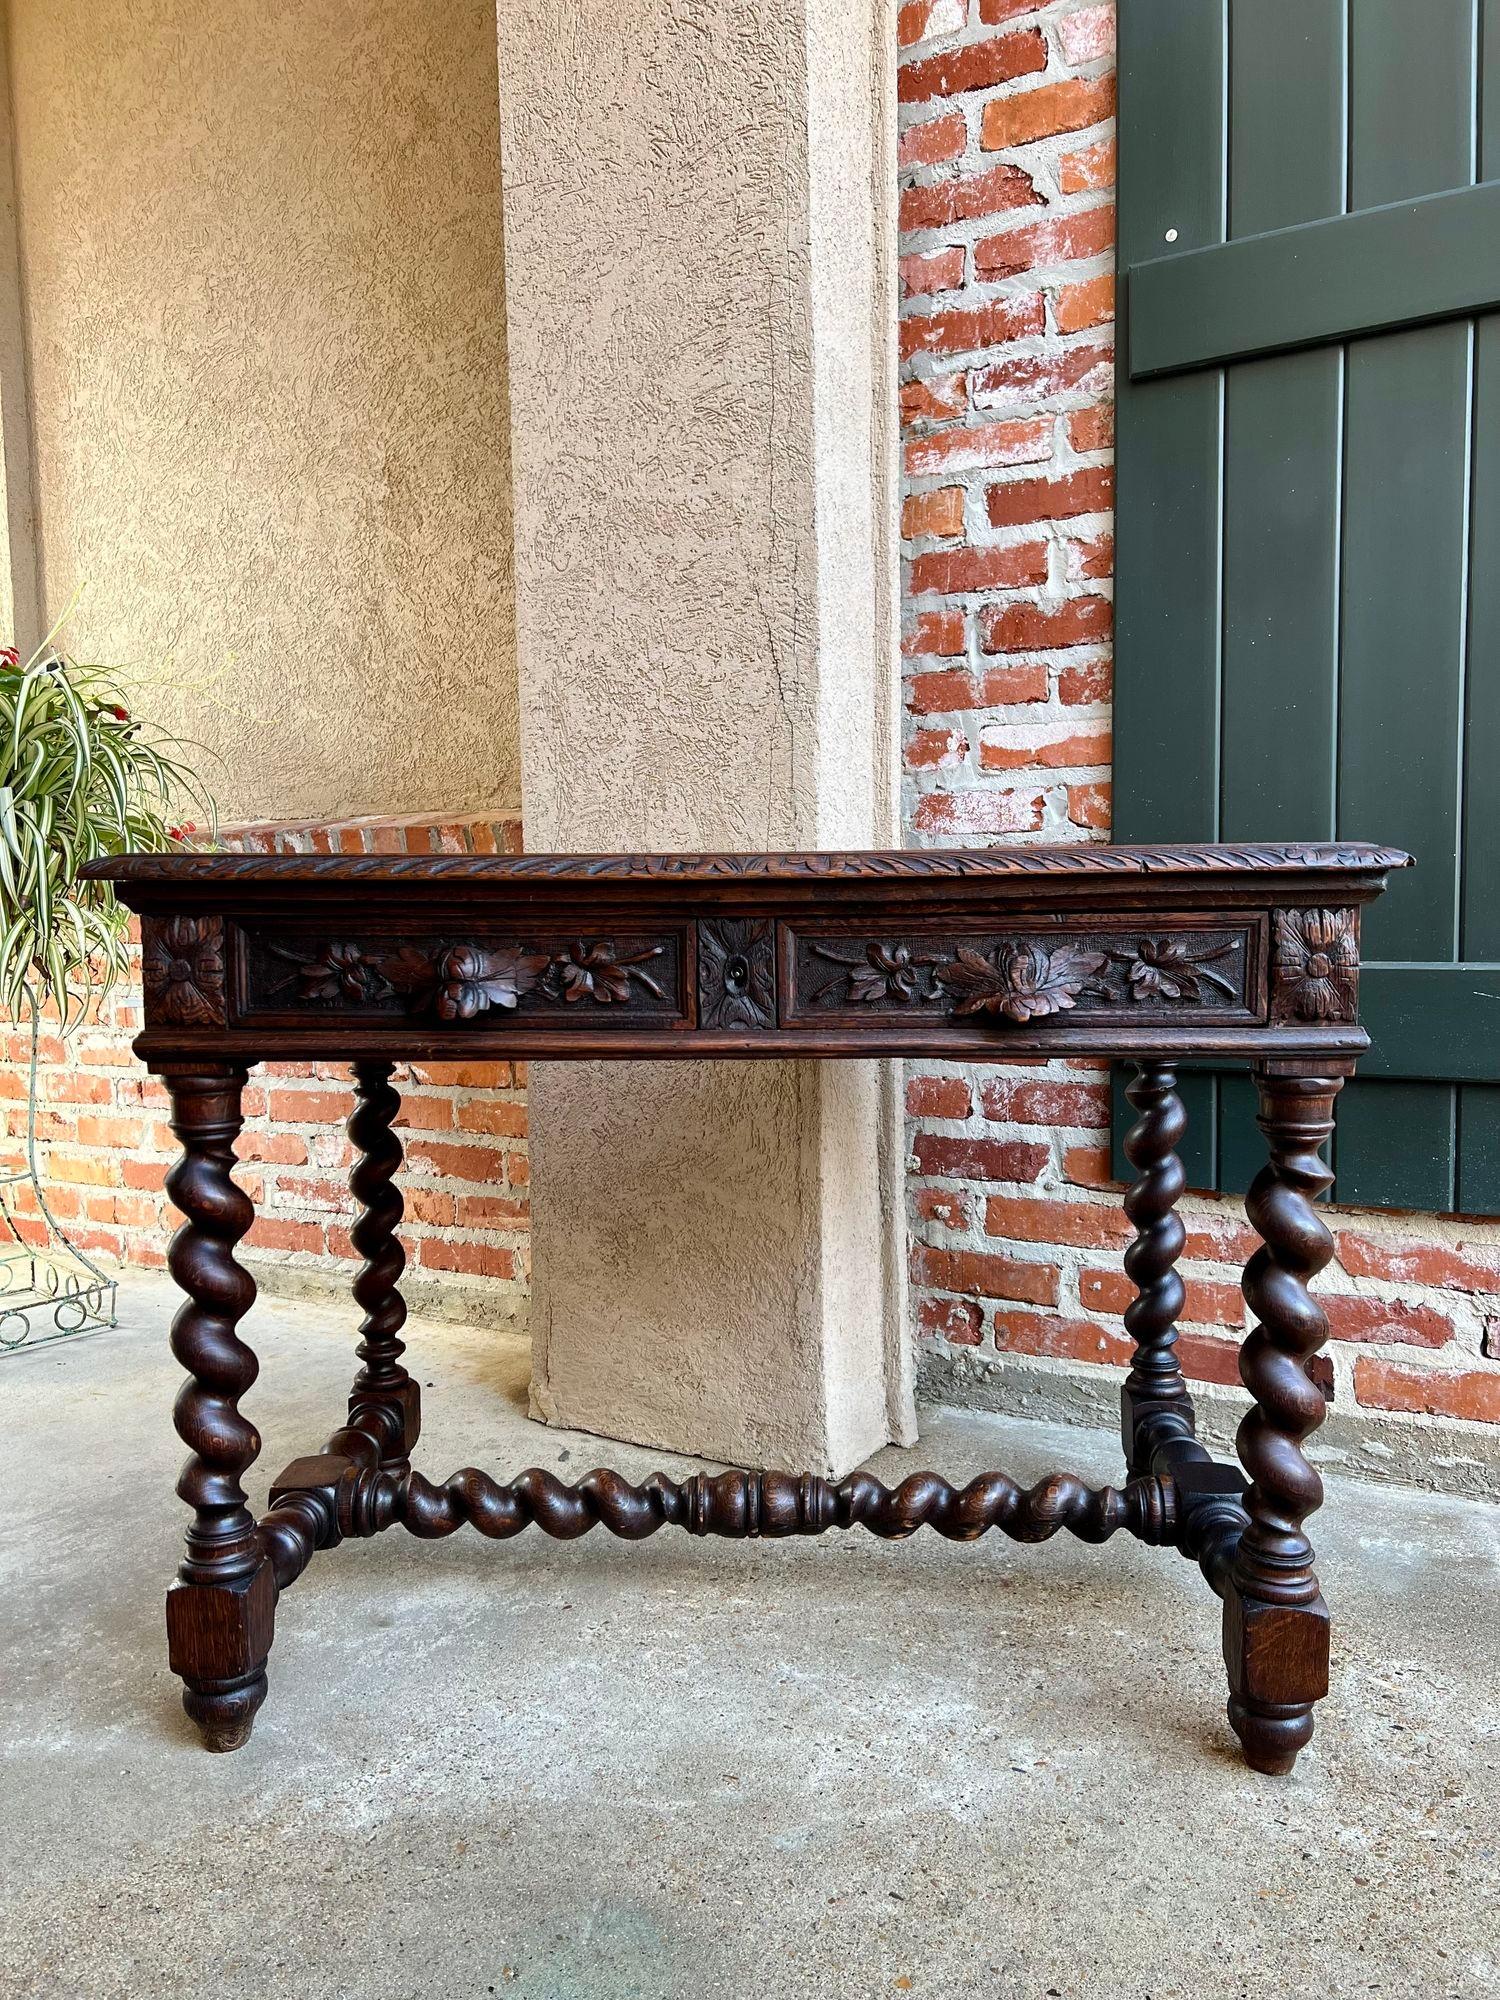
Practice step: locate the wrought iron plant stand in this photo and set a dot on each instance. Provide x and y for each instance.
(1148, 954)
(50, 1289)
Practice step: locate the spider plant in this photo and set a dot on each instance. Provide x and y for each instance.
(80, 776)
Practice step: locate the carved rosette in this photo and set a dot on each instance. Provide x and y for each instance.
(1315, 966)
(182, 971)
(736, 973)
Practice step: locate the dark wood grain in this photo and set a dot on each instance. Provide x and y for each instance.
(877, 865)
(1106, 971)
(1158, 1424)
(1154, 1398)
(382, 1384)
(1315, 965)
(182, 970)
(737, 973)
(220, 1610)
(1073, 951)
(452, 981)
(1161, 955)
(1275, 1620)
(750, 1505)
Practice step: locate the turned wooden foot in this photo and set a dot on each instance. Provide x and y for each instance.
(219, 1638)
(225, 1720)
(1275, 1620)
(1277, 1658)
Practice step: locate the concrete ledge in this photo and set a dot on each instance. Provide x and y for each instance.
(1437, 1454)
(437, 1295)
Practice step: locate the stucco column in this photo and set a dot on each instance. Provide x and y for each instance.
(20, 605)
(699, 248)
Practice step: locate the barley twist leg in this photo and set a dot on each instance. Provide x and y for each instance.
(1154, 1402)
(220, 1612)
(1275, 1620)
(385, 1400)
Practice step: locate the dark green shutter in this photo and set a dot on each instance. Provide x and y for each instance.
(1308, 537)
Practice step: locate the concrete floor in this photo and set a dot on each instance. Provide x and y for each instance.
(834, 1768)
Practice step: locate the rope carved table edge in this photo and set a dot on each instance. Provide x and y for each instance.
(1153, 956)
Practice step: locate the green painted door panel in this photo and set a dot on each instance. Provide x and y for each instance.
(1317, 283)
(1308, 627)
(1479, 1149)
(1172, 153)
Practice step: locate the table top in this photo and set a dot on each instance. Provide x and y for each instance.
(971, 952)
(874, 864)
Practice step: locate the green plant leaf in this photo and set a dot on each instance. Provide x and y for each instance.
(76, 782)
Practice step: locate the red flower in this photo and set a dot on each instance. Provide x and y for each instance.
(119, 714)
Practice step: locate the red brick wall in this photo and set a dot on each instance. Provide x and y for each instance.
(1007, 213)
(105, 1144)
(1007, 209)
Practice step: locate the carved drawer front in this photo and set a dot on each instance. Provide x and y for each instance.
(452, 978)
(1024, 976)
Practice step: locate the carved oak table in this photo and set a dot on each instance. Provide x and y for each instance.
(1148, 954)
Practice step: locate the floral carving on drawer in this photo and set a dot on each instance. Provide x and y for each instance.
(1022, 982)
(1177, 968)
(452, 982)
(1020, 979)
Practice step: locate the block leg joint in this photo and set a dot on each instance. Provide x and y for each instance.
(1277, 1657)
(219, 1639)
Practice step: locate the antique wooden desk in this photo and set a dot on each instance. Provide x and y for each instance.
(1149, 954)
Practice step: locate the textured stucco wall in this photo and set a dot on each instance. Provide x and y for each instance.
(671, 399)
(658, 153)
(18, 568)
(263, 289)
(698, 225)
